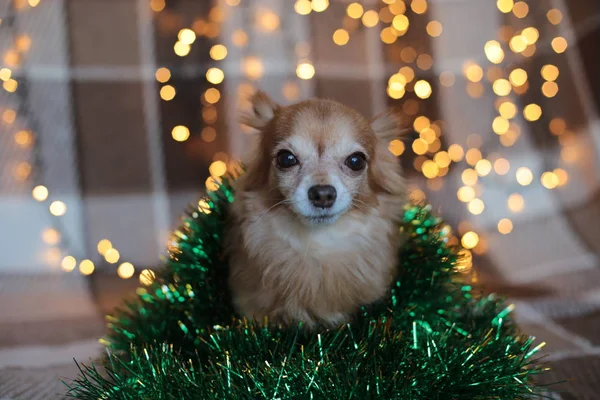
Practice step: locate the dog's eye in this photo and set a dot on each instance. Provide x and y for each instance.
(285, 159)
(356, 161)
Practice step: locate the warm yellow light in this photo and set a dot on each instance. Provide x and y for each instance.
(408, 54)
(267, 20)
(303, 7)
(447, 78)
(212, 183)
(215, 75)
(23, 43)
(532, 112)
(419, 146)
(562, 175)
(147, 277)
(395, 93)
(209, 114)
(469, 177)
(469, 240)
(516, 203)
(476, 206)
(396, 147)
(253, 67)
(33, 3)
(475, 89)
(217, 168)
(442, 159)
(554, 16)
(5, 74)
(407, 72)
(182, 49)
(425, 62)
(520, 9)
(388, 35)
(502, 87)
(112, 255)
(435, 146)
(396, 7)
(86, 267)
(341, 37)
(218, 52)
(68, 263)
(420, 123)
(428, 135)
(58, 208)
(473, 72)
(186, 36)
(456, 152)
(483, 167)
(239, 37)
(419, 6)
(500, 125)
(155, 5)
(423, 89)
(434, 28)
(103, 246)
(212, 95)
(430, 169)
(530, 35)
(507, 111)
(370, 18)
(473, 155)
(320, 5)
(518, 77)
(163, 74)
(505, 226)
(167, 92)
(305, 70)
(354, 10)
(180, 133)
(524, 176)
(9, 116)
(11, 58)
(549, 180)
(517, 44)
(494, 52)
(39, 193)
(550, 72)
(10, 85)
(501, 166)
(559, 44)
(51, 236)
(557, 126)
(465, 194)
(549, 89)
(400, 22)
(208, 134)
(125, 270)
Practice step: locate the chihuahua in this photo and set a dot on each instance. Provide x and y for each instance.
(314, 229)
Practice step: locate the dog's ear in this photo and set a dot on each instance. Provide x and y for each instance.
(387, 126)
(262, 111)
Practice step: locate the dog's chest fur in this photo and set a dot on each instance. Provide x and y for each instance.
(291, 272)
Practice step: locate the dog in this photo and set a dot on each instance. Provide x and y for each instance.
(314, 229)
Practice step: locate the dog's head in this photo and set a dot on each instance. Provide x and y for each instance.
(320, 158)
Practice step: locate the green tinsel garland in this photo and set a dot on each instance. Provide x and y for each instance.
(431, 339)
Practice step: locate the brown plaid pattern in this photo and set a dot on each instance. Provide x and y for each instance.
(107, 151)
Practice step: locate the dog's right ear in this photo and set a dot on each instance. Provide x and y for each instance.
(262, 112)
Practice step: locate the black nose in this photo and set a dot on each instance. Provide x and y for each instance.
(322, 196)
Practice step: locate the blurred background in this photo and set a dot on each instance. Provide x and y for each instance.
(117, 114)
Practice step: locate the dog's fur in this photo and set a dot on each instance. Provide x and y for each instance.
(284, 266)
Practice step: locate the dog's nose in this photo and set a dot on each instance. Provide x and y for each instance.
(322, 196)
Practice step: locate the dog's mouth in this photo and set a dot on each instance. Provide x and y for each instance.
(322, 219)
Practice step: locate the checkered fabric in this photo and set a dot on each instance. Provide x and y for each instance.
(106, 150)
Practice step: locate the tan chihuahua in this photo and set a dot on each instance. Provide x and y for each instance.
(314, 228)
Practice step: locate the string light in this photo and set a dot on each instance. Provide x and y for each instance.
(217, 168)
(423, 89)
(469, 177)
(530, 35)
(505, 226)
(524, 176)
(58, 208)
(562, 175)
(86, 267)
(493, 52)
(182, 49)
(456, 152)
(180, 133)
(465, 194)
(218, 52)
(434, 28)
(476, 206)
(483, 167)
(396, 147)
(549, 180)
(419, 146)
(163, 74)
(516, 203)
(305, 70)
(253, 67)
(103, 246)
(549, 89)
(559, 44)
(268, 21)
(418, 6)
(532, 112)
(155, 5)
(370, 18)
(239, 38)
(517, 44)
(502, 87)
(473, 71)
(430, 169)
(424, 62)
(68, 263)
(147, 277)
(442, 159)
(501, 166)
(186, 36)
(518, 77)
(550, 72)
(40, 193)
(469, 240)
(320, 5)
(520, 9)
(302, 7)
(341, 37)
(557, 126)
(167, 93)
(125, 270)
(208, 134)
(215, 75)
(473, 156)
(354, 10)
(507, 111)
(554, 16)
(112, 256)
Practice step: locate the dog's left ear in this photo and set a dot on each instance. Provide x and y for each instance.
(387, 126)
(262, 112)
